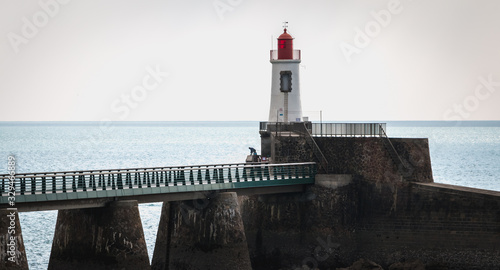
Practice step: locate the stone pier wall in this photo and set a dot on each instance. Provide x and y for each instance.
(202, 234)
(441, 225)
(110, 237)
(363, 156)
(314, 228)
(378, 215)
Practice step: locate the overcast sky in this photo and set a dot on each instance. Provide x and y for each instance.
(182, 60)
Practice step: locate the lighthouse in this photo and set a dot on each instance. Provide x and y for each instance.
(285, 85)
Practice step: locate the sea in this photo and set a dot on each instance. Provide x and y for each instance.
(462, 153)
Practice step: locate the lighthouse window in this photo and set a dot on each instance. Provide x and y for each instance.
(281, 44)
(286, 81)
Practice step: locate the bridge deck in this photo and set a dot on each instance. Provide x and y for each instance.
(75, 189)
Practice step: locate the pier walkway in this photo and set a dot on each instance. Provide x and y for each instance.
(96, 188)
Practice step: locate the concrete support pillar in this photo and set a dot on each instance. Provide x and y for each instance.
(199, 234)
(12, 253)
(110, 237)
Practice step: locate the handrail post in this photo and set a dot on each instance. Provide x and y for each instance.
(119, 180)
(113, 186)
(199, 176)
(22, 181)
(53, 185)
(148, 179)
(157, 179)
(64, 183)
(33, 185)
(129, 179)
(92, 182)
(245, 178)
(207, 175)
(102, 180)
(229, 178)
(237, 174)
(266, 172)
(44, 185)
(139, 181)
(216, 175)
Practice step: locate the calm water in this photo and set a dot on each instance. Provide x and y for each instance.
(468, 156)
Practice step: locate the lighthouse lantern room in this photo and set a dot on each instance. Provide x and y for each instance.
(285, 85)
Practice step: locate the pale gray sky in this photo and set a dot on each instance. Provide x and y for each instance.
(432, 60)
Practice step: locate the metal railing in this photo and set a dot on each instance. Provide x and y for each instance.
(347, 129)
(302, 129)
(323, 162)
(284, 126)
(329, 129)
(274, 55)
(401, 163)
(34, 187)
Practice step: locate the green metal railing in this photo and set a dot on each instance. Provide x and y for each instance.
(70, 185)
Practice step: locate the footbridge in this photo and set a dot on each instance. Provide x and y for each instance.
(96, 188)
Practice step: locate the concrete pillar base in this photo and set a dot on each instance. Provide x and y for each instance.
(100, 238)
(12, 252)
(205, 234)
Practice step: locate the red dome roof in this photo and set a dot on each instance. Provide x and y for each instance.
(285, 35)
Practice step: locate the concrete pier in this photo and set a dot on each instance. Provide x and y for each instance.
(314, 229)
(110, 237)
(383, 212)
(12, 252)
(202, 234)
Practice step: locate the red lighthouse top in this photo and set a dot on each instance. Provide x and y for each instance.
(285, 49)
(285, 46)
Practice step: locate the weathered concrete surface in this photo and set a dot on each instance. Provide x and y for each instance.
(377, 216)
(100, 238)
(11, 227)
(445, 227)
(314, 229)
(363, 156)
(454, 227)
(202, 234)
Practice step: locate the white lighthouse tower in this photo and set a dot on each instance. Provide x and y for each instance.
(285, 86)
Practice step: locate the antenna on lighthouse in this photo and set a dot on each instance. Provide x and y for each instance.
(285, 25)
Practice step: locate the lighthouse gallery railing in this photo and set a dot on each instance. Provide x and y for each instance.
(274, 55)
